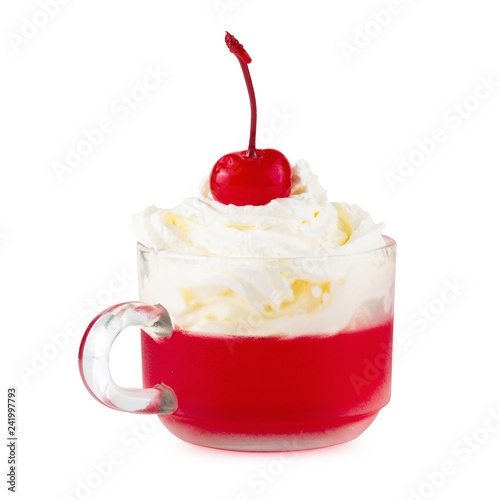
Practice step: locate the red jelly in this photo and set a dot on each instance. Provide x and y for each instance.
(264, 393)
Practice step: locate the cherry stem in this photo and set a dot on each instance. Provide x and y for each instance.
(237, 49)
(252, 152)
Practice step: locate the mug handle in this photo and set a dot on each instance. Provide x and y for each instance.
(93, 358)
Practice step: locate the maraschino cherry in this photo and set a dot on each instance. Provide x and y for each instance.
(255, 176)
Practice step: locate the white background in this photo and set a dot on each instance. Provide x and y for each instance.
(63, 237)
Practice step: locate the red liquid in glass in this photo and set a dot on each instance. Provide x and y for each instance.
(263, 392)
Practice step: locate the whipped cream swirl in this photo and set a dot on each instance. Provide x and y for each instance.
(304, 224)
(267, 270)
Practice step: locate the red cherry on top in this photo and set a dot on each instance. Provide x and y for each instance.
(241, 180)
(255, 176)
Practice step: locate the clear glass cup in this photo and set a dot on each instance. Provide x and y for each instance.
(258, 354)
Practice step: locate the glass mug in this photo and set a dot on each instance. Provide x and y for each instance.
(257, 354)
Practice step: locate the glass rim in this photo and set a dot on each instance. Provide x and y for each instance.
(390, 244)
